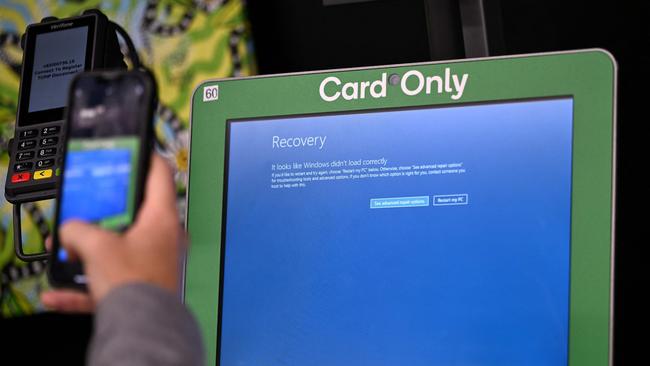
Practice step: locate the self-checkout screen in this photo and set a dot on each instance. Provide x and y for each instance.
(436, 236)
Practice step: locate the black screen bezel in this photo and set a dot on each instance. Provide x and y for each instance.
(26, 118)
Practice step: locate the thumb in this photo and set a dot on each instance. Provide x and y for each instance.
(82, 239)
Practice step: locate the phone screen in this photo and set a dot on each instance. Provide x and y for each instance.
(102, 152)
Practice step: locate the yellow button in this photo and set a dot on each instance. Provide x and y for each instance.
(43, 174)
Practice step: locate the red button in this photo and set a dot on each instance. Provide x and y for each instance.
(19, 177)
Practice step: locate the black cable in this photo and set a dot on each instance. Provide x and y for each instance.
(18, 240)
(133, 54)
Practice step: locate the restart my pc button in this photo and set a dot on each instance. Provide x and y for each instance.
(450, 199)
(398, 202)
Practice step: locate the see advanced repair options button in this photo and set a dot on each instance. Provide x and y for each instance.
(399, 202)
(43, 174)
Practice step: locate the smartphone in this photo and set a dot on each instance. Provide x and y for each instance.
(108, 145)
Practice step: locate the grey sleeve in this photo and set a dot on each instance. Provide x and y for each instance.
(141, 324)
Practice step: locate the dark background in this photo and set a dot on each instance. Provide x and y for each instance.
(301, 35)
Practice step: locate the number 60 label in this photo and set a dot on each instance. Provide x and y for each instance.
(210, 93)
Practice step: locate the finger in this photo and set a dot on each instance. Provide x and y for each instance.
(160, 189)
(83, 239)
(68, 301)
(72, 256)
(159, 206)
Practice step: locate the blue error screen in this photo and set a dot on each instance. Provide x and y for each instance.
(436, 236)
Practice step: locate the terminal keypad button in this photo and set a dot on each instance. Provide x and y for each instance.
(26, 144)
(49, 141)
(20, 177)
(28, 134)
(50, 151)
(44, 163)
(52, 130)
(26, 155)
(20, 167)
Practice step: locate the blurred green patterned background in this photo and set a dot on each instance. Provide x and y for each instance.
(182, 41)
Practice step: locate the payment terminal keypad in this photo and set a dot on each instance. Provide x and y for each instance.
(36, 157)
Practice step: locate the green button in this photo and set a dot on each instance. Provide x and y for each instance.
(57, 171)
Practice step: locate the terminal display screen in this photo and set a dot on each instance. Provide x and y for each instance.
(58, 56)
(431, 236)
(54, 54)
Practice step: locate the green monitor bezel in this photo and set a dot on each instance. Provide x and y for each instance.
(587, 76)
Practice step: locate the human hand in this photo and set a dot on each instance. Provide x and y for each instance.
(149, 251)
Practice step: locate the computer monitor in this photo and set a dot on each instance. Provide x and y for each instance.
(456, 213)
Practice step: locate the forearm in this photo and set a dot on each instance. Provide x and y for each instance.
(141, 324)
